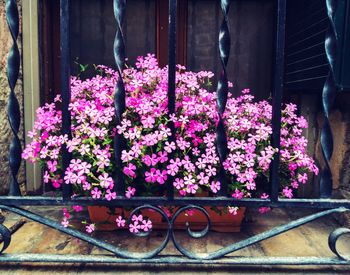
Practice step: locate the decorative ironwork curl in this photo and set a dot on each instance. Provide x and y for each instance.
(119, 95)
(87, 238)
(257, 238)
(6, 237)
(193, 234)
(13, 110)
(220, 253)
(332, 241)
(328, 97)
(222, 91)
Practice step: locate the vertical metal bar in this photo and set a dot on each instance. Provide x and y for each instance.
(119, 95)
(65, 89)
(277, 97)
(328, 96)
(222, 93)
(171, 79)
(13, 110)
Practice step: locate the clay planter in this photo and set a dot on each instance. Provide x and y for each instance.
(105, 220)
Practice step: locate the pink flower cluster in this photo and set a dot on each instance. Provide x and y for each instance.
(137, 225)
(151, 158)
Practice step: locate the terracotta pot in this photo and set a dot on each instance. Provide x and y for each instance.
(220, 223)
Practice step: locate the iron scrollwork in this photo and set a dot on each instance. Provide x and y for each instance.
(170, 234)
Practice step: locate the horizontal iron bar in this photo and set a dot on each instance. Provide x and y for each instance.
(161, 201)
(54, 258)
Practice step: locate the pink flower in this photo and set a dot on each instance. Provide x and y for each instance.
(130, 192)
(110, 195)
(203, 179)
(178, 183)
(237, 194)
(163, 157)
(95, 193)
(105, 181)
(120, 221)
(137, 218)
(161, 176)
(90, 228)
(46, 177)
(233, 210)
(215, 186)
(65, 222)
(169, 147)
(134, 227)
(129, 170)
(192, 188)
(77, 208)
(66, 213)
(146, 225)
(287, 192)
(264, 209)
(56, 183)
(52, 165)
(172, 169)
(151, 176)
(211, 171)
(302, 178)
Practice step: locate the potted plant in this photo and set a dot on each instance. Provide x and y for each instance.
(150, 158)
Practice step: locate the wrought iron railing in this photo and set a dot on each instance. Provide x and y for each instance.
(14, 201)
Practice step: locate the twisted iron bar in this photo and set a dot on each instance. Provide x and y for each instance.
(13, 110)
(65, 91)
(328, 97)
(222, 92)
(119, 96)
(171, 84)
(220, 253)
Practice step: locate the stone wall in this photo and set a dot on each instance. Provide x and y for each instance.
(5, 131)
(310, 108)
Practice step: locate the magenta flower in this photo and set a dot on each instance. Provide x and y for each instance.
(129, 170)
(77, 208)
(151, 176)
(237, 194)
(163, 157)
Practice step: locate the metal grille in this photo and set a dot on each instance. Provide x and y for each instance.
(14, 202)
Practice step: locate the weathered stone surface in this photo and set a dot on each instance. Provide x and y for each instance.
(5, 131)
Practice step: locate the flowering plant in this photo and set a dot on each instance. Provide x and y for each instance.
(150, 158)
